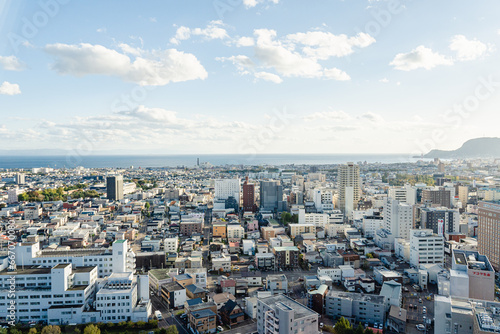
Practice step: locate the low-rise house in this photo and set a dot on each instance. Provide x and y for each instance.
(194, 291)
(220, 298)
(231, 314)
(277, 284)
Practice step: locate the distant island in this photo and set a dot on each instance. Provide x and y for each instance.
(487, 147)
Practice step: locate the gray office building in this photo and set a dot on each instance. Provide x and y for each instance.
(271, 196)
(114, 187)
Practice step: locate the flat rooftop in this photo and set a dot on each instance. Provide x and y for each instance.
(281, 300)
(74, 252)
(357, 296)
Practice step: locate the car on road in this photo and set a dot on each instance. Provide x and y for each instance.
(424, 309)
(320, 325)
(420, 300)
(220, 329)
(420, 327)
(158, 315)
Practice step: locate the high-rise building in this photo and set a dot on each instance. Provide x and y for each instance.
(398, 218)
(405, 194)
(225, 188)
(349, 186)
(426, 247)
(440, 197)
(271, 196)
(489, 231)
(20, 178)
(248, 196)
(114, 187)
(463, 195)
(440, 220)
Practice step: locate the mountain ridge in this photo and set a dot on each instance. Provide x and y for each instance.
(485, 147)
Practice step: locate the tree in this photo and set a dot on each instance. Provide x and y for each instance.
(50, 329)
(172, 330)
(359, 330)
(343, 326)
(91, 329)
(32, 331)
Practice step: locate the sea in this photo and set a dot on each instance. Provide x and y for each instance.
(172, 161)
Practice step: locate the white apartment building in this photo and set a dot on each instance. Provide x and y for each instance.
(58, 294)
(334, 273)
(32, 212)
(119, 258)
(223, 262)
(225, 188)
(426, 247)
(235, 232)
(170, 245)
(199, 275)
(283, 315)
(12, 195)
(320, 219)
(398, 218)
(371, 224)
(123, 297)
(323, 200)
(406, 194)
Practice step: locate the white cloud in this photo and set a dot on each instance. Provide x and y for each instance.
(151, 68)
(384, 80)
(11, 63)
(7, 88)
(245, 41)
(297, 55)
(323, 45)
(268, 77)
(336, 115)
(372, 117)
(213, 30)
(421, 57)
(253, 3)
(468, 49)
(336, 74)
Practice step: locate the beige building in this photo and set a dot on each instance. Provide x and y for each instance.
(298, 229)
(489, 232)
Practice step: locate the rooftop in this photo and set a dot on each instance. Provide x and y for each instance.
(283, 301)
(357, 296)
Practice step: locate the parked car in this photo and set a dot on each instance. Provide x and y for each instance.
(420, 327)
(420, 300)
(219, 328)
(424, 310)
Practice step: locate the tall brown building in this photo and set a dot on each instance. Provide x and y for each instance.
(488, 236)
(441, 197)
(249, 196)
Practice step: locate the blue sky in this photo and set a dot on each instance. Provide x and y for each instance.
(248, 76)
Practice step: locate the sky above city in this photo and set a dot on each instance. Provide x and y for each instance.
(248, 76)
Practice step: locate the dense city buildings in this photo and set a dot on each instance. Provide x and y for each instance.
(199, 241)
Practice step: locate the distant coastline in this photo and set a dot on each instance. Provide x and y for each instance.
(190, 160)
